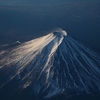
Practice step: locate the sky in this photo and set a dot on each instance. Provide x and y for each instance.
(38, 2)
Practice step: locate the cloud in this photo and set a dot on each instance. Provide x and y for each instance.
(30, 2)
(35, 2)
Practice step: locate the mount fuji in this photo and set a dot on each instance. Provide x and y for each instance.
(48, 67)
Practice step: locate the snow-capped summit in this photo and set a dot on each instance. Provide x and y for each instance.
(60, 32)
(51, 65)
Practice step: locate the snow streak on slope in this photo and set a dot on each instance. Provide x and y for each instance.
(51, 65)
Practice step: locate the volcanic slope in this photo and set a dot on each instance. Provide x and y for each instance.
(49, 66)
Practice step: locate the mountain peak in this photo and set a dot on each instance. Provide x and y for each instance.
(60, 32)
(51, 65)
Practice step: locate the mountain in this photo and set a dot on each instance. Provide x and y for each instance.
(51, 67)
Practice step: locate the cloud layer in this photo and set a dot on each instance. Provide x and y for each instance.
(36, 2)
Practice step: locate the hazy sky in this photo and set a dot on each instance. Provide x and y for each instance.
(37, 2)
